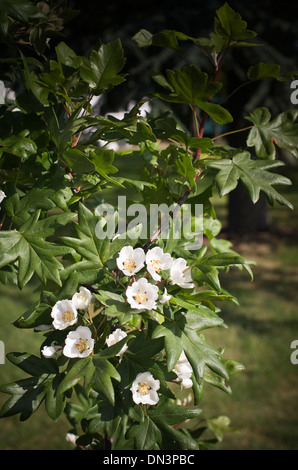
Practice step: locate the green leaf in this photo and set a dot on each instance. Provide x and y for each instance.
(181, 334)
(145, 435)
(34, 254)
(230, 26)
(39, 314)
(104, 67)
(67, 56)
(190, 85)
(265, 134)
(200, 317)
(78, 161)
(31, 364)
(173, 439)
(143, 38)
(19, 209)
(254, 175)
(142, 348)
(219, 425)
(87, 272)
(28, 103)
(40, 92)
(207, 274)
(22, 10)
(102, 160)
(166, 38)
(142, 133)
(21, 386)
(69, 287)
(88, 245)
(233, 367)
(75, 374)
(18, 145)
(62, 133)
(100, 379)
(185, 167)
(172, 413)
(224, 259)
(262, 71)
(25, 403)
(54, 402)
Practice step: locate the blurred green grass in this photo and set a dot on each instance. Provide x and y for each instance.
(263, 404)
(39, 432)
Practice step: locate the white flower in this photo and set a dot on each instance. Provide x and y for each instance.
(78, 343)
(142, 295)
(50, 351)
(156, 261)
(82, 299)
(2, 195)
(180, 274)
(115, 337)
(144, 389)
(186, 383)
(71, 438)
(165, 297)
(183, 371)
(130, 260)
(64, 314)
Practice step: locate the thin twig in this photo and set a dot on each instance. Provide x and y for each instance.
(232, 132)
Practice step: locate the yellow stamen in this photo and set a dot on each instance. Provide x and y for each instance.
(67, 315)
(144, 388)
(156, 265)
(81, 345)
(129, 264)
(141, 296)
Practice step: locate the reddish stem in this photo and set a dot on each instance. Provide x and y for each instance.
(183, 198)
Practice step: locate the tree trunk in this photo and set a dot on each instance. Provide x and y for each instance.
(244, 217)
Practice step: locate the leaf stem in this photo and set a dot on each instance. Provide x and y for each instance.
(232, 132)
(249, 82)
(195, 120)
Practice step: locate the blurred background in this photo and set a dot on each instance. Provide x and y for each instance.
(262, 408)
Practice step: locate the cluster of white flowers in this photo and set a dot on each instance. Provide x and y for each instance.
(65, 312)
(78, 343)
(142, 294)
(131, 260)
